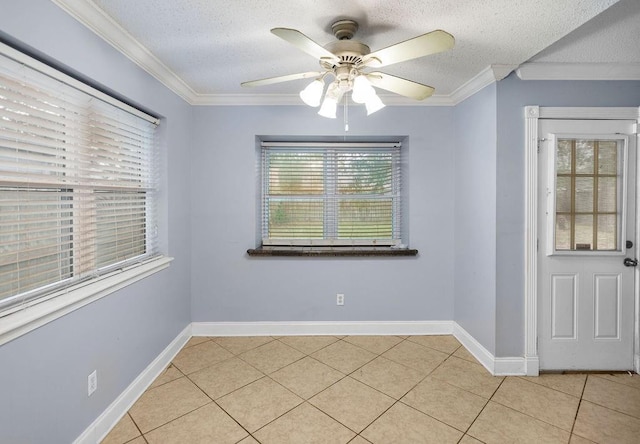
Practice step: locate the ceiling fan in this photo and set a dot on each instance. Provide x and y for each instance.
(349, 62)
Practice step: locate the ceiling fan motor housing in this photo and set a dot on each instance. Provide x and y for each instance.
(344, 29)
(350, 52)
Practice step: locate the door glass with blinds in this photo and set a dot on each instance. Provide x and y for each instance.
(338, 194)
(590, 189)
(76, 185)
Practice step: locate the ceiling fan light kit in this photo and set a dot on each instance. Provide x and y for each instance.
(347, 61)
(312, 94)
(373, 104)
(331, 100)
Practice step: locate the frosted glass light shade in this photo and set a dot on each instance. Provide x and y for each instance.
(374, 104)
(328, 108)
(331, 100)
(312, 94)
(362, 90)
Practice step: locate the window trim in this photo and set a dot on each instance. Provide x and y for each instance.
(64, 300)
(327, 247)
(623, 142)
(77, 296)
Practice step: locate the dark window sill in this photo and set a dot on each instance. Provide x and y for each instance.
(330, 251)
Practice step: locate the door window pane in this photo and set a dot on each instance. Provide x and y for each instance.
(607, 157)
(588, 190)
(584, 194)
(563, 232)
(584, 156)
(563, 194)
(607, 231)
(607, 194)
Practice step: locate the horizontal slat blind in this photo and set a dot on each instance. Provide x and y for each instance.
(331, 194)
(77, 180)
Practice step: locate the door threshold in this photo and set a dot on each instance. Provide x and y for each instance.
(588, 372)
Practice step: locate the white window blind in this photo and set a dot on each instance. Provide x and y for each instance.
(338, 194)
(77, 181)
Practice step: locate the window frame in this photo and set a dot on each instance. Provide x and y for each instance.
(54, 300)
(623, 144)
(330, 239)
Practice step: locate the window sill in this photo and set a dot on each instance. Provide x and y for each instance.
(330, 251)
(21, 322)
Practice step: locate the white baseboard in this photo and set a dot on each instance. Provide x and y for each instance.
(321, 328)
(509, 366)
(496, 366)
(532, 365)
(484, 356)
(515, 366)
(110, 417)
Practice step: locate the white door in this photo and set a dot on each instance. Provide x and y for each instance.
(587, 223)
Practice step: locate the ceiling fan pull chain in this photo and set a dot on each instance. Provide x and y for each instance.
(346, 113)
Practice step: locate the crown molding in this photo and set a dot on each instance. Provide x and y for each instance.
(294, 100)
(94, 18)
(435, 100)
(486, 77)
(579, 71)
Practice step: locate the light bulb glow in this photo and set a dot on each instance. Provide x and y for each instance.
(328, 108)
(362, 89)
(312, 94)
(331, 100)
(374, 104)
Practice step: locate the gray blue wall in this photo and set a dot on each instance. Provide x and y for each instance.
(475, 216)
(43, 375)
(513, 95)
(227, 285)
(465, 193)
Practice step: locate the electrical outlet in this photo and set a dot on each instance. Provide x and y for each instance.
(339, 299)
(92, 383)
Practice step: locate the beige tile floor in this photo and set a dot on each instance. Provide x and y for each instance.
(370, 389)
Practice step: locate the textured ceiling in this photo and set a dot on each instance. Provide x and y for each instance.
(611, 37)
(213, 45)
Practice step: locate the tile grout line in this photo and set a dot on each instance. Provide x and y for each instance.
(530, 379)
(134, 423)
(575, 418)
(295, 394)
(599, 376)
(234, 355)
(264, 375)
(452, 354)
(396, 401)
(530, 416)
(377, 355)
(185, 414)
(186, 376)
(484, 407)
(604, 406)
(348, 376)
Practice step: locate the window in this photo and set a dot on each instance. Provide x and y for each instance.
(76, 183)
(331, 194)
(589, 187)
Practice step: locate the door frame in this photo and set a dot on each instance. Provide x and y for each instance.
(532, 114)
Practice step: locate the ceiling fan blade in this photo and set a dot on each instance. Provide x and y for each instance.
(401, 86)
(279, 79)
(301, 41)
(423, 45)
